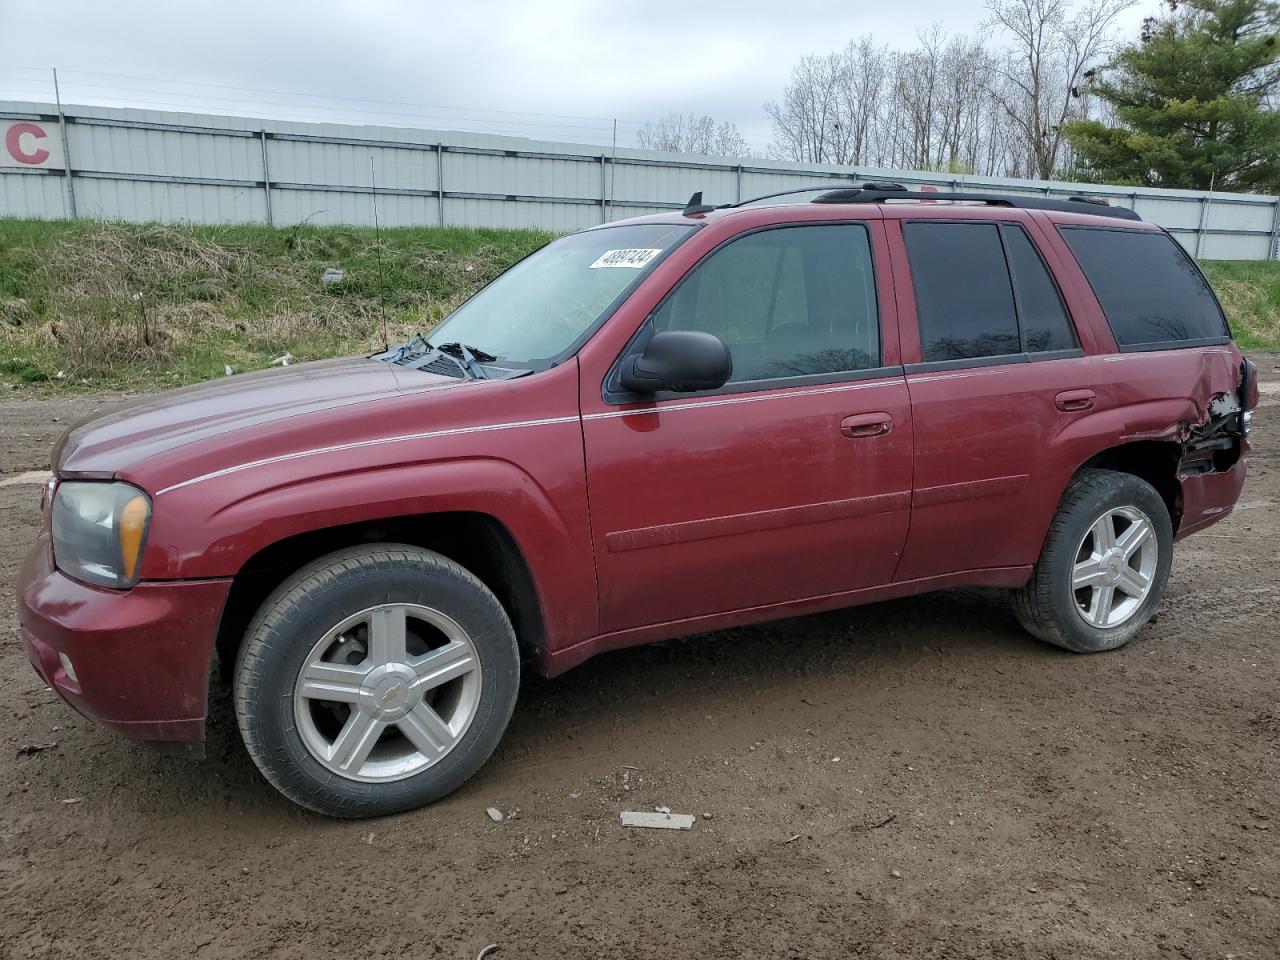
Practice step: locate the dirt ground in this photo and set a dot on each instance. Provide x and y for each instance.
(910, 779)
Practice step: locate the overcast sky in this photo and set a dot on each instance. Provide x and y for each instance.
(558, 68)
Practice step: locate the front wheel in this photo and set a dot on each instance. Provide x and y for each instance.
(375, 680)
(1103, 567)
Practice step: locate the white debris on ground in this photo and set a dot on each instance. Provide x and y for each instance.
(659, 821)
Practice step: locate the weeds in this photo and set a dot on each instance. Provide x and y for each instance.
(121, 304)
(1250, 294)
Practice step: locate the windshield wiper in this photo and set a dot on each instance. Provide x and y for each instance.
(416, 347)
(471, 357)
(463, 349)
(420, 352)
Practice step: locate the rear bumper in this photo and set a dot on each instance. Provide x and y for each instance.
(139, 658)
(1209, 497)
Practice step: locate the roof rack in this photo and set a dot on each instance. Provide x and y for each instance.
(829, 188)
(876, 193)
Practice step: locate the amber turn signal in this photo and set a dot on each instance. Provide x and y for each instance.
(133, 526)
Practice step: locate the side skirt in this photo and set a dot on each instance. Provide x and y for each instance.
(554, 662)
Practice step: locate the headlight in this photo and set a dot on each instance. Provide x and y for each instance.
(99, 530)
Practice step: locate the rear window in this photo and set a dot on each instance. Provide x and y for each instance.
(1151, 292)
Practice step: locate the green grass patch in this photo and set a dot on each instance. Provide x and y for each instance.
(148, 305)
(1250, 294)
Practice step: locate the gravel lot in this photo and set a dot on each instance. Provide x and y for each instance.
(909, 779)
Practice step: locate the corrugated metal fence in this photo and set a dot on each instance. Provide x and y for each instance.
(141, 165)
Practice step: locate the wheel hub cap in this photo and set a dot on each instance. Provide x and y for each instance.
(388, 693)
(1111, 563)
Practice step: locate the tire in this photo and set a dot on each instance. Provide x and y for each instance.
(375, 680)
(1076, 552)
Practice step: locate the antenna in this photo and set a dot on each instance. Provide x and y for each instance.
(695, 206)
(377, 237)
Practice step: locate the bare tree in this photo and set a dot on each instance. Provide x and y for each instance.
(926, 108)
(687, 133)
(864, 68)
(1053, 44)
(807, 122)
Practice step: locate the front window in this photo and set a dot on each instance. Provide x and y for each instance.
(542, 306)
(788, 302)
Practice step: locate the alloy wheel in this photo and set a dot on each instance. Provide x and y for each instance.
(387, 692)
(1115, 567)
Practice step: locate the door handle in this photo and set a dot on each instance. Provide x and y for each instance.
(866, 425)
(1069, 400)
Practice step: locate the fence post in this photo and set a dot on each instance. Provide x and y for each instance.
(1204, 213)
(266, 178)
(604, 190)
(1273, 252)
(66, 146)
(440, 180)
(739, 200)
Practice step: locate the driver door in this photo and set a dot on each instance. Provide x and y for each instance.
(791, 482)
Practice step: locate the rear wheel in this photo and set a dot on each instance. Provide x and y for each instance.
(1103, 567)
(375, 680)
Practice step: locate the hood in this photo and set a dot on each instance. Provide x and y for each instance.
(154, 425)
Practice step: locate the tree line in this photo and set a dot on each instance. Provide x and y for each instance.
(1047, 91)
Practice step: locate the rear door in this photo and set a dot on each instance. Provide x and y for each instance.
(995, 370)
(792, 481)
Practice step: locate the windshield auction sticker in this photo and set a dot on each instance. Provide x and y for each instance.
(634, 258)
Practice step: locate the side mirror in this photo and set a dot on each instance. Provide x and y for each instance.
(683, 360)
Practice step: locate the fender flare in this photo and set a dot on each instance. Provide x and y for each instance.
(230, 530)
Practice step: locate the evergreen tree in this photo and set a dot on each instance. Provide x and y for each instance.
(1194, 102)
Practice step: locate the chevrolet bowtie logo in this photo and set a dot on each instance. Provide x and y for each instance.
(391, 693)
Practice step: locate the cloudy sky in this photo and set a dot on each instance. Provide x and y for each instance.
(558, 69)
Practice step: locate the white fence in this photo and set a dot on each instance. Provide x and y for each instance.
(144, 165)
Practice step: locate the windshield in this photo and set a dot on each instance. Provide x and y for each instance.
(541, 306)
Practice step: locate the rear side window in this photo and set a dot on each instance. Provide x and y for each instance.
(964, 299)
(1150, 291)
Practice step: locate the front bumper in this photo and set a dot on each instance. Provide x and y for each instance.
(140, 657)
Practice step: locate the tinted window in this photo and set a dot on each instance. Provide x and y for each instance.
(1149, 289)
(788, 302)
(1044, 320)
(963, 297)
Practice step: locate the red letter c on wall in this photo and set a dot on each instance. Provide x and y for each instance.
(13, 143)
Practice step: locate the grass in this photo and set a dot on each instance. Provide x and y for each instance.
(110, 305)
(1250, 293)
(121, 305)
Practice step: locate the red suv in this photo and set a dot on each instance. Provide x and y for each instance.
(671, 424)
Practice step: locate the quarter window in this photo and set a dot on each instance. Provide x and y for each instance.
(1044, 322)
(788, 302)
(1151, 292)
